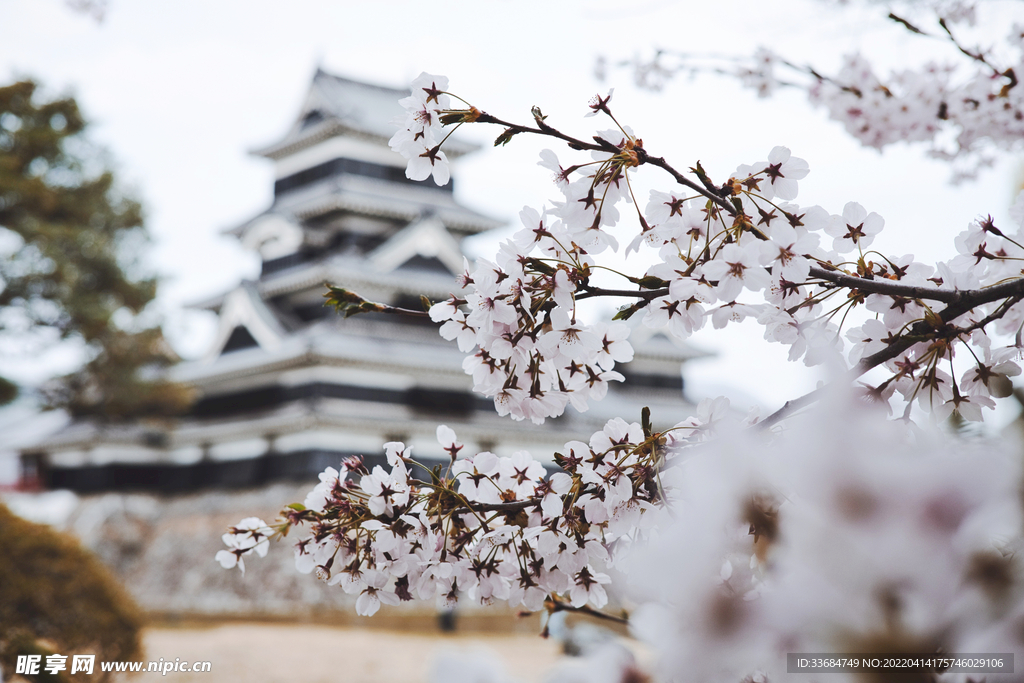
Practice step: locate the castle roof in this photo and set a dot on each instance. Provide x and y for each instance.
(337, 105)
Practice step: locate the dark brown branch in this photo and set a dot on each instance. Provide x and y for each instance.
(883, 286)
(559, 606)
(600, 146)
(646, 158)
(960, 301)
(1012, 291)
(591, 292)
(993, 316)
(503, 507)
(906, 24)
(604, 146)
(788, 408)
(977, 56)
(837, 277)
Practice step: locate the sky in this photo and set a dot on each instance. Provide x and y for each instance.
(179, 92)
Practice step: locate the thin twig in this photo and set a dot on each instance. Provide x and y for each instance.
(600, 146)
(710, 192)
(585, 609)
(395, 310)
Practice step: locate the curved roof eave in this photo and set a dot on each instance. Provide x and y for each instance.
(298, 139)
(359, 197)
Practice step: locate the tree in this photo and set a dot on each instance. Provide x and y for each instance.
(71, 241)
(58, 599)
(726, 542)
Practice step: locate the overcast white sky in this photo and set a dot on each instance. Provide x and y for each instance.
(180, 91)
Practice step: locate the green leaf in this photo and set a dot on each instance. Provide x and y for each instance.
(348, 303)
(540, 266)
(505, 136)
(651, 282)
(698, 170)
(627, 312)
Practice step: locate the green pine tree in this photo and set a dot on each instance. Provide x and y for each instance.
(69, 248)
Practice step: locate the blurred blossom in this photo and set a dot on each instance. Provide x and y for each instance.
(847, 533)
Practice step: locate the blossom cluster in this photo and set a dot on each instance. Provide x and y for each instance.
(251, 535)
(725, 253)
(533, 354)
(486, 527)
(967, 111)
(900, 540)
(420, 132)
(732, 546)
(979, 114)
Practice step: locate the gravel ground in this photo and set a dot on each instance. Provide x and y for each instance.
(284, 653)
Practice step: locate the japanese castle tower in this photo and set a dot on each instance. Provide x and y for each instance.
(289, 387)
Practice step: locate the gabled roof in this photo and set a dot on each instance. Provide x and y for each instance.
(244, 308)
(427, 238)
(336, 105)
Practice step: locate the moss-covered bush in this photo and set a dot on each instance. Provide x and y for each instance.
(57, 598)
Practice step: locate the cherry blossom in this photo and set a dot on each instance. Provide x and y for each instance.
(385, 489)
(782, 172)
(737, 268)
(251, 535)
(855, 228)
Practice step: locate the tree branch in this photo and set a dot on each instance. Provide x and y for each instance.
(604, 146)
(503, 507)
(1012, 291)
(544, 129)
(883, 286)
(708, 191)
(559, 606)
(976, 56)
(590, 292)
